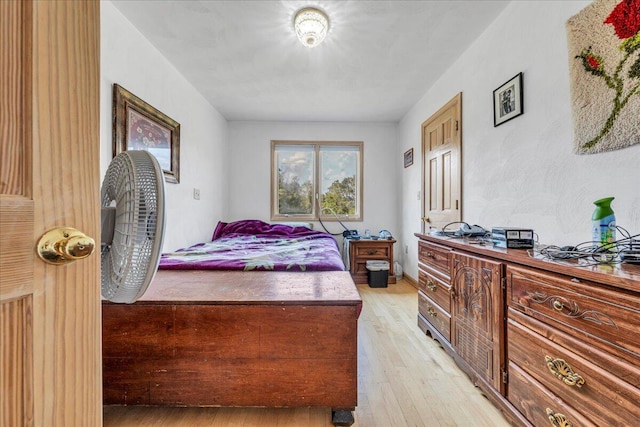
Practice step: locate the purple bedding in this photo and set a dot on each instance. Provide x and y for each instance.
(256, 245)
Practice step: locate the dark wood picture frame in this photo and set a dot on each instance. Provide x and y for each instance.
(508, 101)
(139, 126)
(408, 157)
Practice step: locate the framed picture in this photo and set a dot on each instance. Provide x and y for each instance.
(508, 101)
(408, 158)
(139, 126)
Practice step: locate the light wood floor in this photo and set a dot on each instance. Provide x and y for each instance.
(404, 379)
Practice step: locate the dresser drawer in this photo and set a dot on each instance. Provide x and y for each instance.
(435, 315)
(436, 289)
(603, 318)
(538, 404)
(592, 390)
(435, 257)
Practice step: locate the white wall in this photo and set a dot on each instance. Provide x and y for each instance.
(522, 173)
(127, 58)
(249, 176)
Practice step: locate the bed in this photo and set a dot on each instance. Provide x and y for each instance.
(263, 315)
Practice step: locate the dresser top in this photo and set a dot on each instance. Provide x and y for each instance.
(619, 275)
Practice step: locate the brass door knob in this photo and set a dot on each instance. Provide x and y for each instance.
(64, 245)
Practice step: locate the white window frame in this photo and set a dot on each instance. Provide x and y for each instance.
(317, 179)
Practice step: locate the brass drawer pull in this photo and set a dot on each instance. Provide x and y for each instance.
(558, 305)
(563, 371)
(432, 312)
(371, 251)
(429, 255)
(432, 286)
(558, 420)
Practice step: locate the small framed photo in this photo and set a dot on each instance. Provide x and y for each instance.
(408, 158)
(508, 101)
(139, 126)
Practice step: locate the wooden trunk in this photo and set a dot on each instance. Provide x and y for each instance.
(211, 338)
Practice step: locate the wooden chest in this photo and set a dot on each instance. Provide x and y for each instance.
(201, 338)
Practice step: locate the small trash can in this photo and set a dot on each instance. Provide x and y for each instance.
(378, 272)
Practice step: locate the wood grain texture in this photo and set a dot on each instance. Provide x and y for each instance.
(361, 251)
(582, 317)
(284, 341)
(15, 102)
(596, 398)
(477, 315)
(66, 181)
(580, 309)
(16, 370)
(621, 276)
(403, 380)
(236, 287)
(16, 246)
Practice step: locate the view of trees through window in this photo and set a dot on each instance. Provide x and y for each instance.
(303, 168)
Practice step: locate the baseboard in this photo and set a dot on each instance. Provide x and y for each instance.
(413, 282)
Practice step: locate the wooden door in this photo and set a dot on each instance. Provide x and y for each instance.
(50, 367)
(441, 175)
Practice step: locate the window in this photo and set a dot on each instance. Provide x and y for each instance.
(303, 172)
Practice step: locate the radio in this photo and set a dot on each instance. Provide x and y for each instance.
(512, 238)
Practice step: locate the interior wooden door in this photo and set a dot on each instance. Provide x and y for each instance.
(50, 368)
(441, 181)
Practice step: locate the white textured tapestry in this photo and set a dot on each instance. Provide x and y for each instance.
(604, 62)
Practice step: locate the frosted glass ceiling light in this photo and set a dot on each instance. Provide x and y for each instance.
(311, 26)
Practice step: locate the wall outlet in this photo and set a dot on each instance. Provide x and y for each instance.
(196, 193)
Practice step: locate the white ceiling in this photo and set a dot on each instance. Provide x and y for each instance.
(378, 60)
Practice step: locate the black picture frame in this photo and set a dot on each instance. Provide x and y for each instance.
(508, 100)
(408, 158)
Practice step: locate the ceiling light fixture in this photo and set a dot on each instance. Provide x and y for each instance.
(311, 26)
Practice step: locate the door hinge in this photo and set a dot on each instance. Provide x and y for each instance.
(456, 205)
(505, 376)
(456, 125)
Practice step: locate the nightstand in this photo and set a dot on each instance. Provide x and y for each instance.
(363, 250)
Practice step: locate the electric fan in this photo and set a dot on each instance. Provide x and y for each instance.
(132, 225)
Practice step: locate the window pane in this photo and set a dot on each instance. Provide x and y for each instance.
(295, 179)
(339, 166)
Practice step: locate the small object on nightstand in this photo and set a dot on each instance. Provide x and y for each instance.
(385, 234)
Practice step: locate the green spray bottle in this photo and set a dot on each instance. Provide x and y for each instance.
(603, 222)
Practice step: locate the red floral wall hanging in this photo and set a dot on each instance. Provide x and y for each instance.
(604, 61)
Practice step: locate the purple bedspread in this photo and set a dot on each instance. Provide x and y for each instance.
(257, 245)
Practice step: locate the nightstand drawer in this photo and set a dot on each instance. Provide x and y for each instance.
(592, 390)
(435, 315)
(606, 319)
(371, 250)
(435, 257)
(436, 289)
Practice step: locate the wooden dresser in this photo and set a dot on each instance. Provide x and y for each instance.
(363, 250)
(550, 343)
